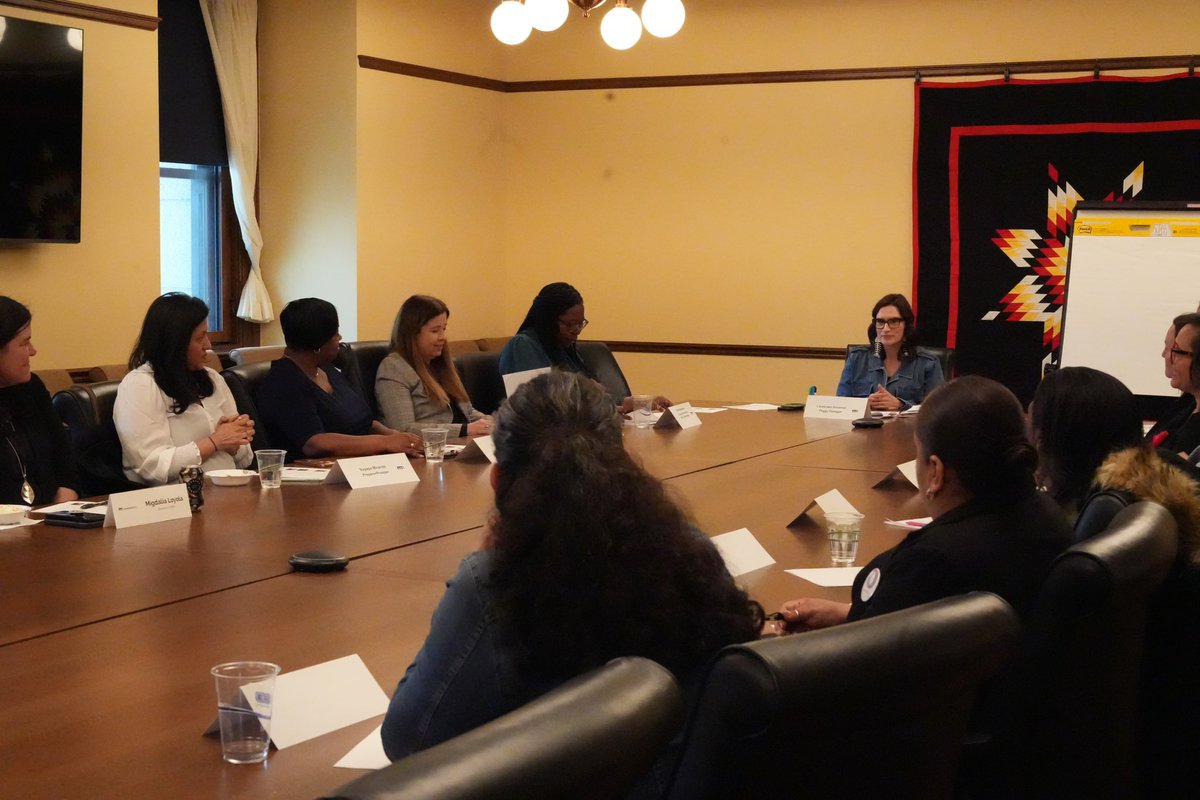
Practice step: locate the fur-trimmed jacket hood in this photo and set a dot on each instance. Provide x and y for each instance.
(1142, 472)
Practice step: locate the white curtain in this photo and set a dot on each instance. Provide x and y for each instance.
(232, 27)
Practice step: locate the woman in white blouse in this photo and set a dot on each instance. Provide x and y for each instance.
(171, 411)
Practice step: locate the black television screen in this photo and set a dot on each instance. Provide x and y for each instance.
(41, 116)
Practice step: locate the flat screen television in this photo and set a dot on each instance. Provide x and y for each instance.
(41, 117)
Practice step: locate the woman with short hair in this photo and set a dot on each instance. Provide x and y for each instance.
(417, 386)
(890, 372)
(171, 410)
(586, 559)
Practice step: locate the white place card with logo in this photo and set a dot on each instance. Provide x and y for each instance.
(513, 380)
(364, 471)
(143, 506)
(907, 471)
(481, 448)
(831, 501)
(679, 415)
(823, 406)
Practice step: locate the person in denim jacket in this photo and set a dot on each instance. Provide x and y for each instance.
(890, 372)
(586, 559)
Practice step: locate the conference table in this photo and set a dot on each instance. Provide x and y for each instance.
(107, 636)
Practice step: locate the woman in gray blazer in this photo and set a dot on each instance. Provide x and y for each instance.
(417, 386)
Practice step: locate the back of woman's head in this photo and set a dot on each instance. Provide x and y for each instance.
(14, 317)
(976, 427)
(547, 307)
(440, 378)
(1079, 416)
(308, 323)
(591, 559)
(163, 343)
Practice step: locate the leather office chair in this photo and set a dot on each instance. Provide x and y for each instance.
(1063, 720)
(243, 381)
(87, 411)
(480, 373)
(875, 708)
(944, 355)
(348, 364)
(368, 356)
(591, 738)
(599, 359)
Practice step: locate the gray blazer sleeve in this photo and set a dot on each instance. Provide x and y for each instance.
(403, 402)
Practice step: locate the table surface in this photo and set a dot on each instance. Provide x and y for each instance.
(106, 637)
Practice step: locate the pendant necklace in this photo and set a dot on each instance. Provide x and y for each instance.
(26, 489)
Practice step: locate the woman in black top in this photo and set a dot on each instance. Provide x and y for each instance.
(992, 530)
(309, 408)
(36, 465)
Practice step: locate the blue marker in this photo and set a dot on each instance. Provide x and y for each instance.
(812, 390)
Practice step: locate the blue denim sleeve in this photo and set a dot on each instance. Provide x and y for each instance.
(853, 375)
(932, 378)
(455, 683)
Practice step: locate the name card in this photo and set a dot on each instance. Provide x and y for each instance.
(143, 506)
(513, 380)
(907, 471)
(481, 448)
(822, 406)
(741, 552)
(680, 415)
(364, 471)
(831, 501)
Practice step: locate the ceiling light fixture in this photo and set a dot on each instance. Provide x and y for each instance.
(621, 28)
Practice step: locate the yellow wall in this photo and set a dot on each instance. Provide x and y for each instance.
(88, 299)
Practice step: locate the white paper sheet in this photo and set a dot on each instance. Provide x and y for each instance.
(513, 380)
(708, 409)
(96, 507)
(827, 576)
(741, 551)
(367, 754)
(908, 524)
(755, 407)
(305, 474)
(322, 698)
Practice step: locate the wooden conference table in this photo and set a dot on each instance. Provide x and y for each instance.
(106, 637)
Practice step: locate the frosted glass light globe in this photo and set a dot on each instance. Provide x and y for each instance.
(663, 18)
(511, 23)
(547, 15)
(621, 28)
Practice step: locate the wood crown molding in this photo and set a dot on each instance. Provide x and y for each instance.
(746, 350)
(67, 8)
(916, 72)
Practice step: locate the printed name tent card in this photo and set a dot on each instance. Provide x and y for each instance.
(143, 506)
(823, 406)
(513, 380)
(364, 471)
(907, 471)
(829, 502)
(481, 448)
(680, 415)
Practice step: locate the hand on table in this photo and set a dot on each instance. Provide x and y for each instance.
(811, 613)
(883, 400)
(480, 427)
(232, 432)
(407, 443)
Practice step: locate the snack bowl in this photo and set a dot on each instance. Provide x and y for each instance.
(12, 512)
(231, 477)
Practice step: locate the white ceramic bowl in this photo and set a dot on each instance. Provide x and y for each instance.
(12, 513)
(231, 477)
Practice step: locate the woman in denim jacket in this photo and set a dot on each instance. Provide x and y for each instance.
(890, 372)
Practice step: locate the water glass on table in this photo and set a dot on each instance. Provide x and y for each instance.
(642, 414)
(245, 692)
(435, 444)
(270, 467)
(844, 528)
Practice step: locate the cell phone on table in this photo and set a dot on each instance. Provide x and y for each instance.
(74, 519)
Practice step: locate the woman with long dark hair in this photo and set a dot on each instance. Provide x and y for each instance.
(171, 410)
(36, 465)
(417, 385)
(890, 372)
(992, 530)
(586, 559)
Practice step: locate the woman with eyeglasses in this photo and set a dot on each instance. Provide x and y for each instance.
(890, 372)
(1180, 431)
(548, 335)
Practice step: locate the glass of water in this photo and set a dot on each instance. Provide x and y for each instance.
(270, 467)
(843, 528)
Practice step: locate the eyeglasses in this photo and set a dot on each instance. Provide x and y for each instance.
(1175, 352)
(894, 322)
(573, 327)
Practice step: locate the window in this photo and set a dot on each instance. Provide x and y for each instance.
(190, 234)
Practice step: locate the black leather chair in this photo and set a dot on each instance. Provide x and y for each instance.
(480, 373)
(876, 708)
(367, 356)
(591, 738)
(243, 381)
(87, 411)
(599, 359)
(944, 355)
(1064, 718)
(348, 365)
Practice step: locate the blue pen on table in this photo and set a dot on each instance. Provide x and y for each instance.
(812, 390)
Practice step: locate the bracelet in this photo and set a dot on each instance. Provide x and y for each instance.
(214, 444)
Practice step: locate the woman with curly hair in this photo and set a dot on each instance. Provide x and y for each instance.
(586, 560)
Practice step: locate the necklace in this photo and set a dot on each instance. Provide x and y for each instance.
(27, 493)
